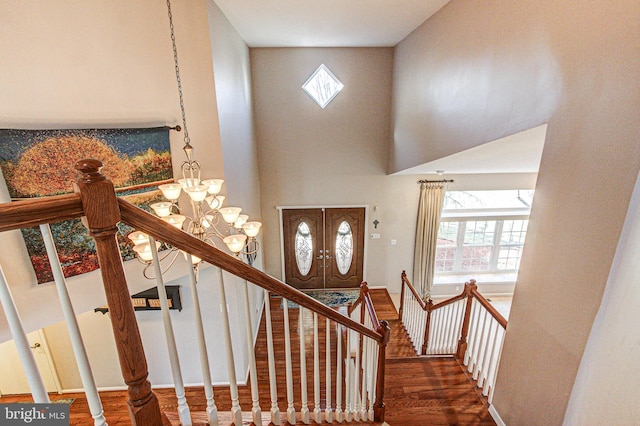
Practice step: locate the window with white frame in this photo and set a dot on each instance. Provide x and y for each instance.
(482, 232)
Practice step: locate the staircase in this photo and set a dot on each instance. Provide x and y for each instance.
(311, 363)
(417, 388)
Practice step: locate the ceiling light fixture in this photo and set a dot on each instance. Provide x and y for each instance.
(209, 219)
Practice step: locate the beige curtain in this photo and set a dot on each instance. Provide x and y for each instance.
(429, 211)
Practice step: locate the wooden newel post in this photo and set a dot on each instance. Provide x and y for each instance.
(402, 285)
(378, 407)
(462, 343)
(427, 327)
(101, 218)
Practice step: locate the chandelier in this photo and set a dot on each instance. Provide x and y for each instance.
(208, 219)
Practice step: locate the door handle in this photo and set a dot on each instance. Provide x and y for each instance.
(35, 346)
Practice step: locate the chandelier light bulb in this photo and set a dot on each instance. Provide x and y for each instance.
(214, 185)
(230, 214)
(207, 221)
(144, 251)
(171, 191)
(235, 242)
(175, 219)
(188, 182)
(251, 228)
(241, 220)
(162, 209)
(138, 237)
(197, 193)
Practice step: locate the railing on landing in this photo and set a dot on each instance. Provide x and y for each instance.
(466, 326)
(95, 201)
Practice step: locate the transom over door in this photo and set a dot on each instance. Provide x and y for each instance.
(323, 248)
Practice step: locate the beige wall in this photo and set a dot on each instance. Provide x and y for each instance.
(479, 70)
(232, 73)
(605, 391)
(106, 63)
(310, 156)
(73, 64)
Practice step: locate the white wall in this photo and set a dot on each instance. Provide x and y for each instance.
(606, 386)
(96, 331)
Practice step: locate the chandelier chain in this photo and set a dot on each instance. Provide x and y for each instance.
(187, 140)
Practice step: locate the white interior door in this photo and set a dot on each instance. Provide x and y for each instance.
(13, 379)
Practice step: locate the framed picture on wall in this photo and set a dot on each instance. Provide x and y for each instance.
(38, 163)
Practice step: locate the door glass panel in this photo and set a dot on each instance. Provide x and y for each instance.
(344, 247)
(304, 248)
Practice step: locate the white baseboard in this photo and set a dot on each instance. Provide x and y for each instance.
(496, 416)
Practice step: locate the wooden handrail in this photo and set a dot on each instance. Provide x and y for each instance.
(368, 304)
(429, 307)
(489, 307)
(162, 231)
(38, 211)
(406, 281)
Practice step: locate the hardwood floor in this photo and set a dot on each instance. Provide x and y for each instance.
(418, 391)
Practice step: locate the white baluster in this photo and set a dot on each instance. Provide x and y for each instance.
(374, 376)
(275, 411)
(304, 410)
(471, 333)
(449, 330)
(256, 412)
(174, 361)
(327, 410)
(363, 387)
(356, 381)
(211, 410)
(414, 321)
(373, 365)
(458, 328)
(479, 351)
(488, 349)
(405, 307)
(339, 363)
(442, 326)
(493, 379)
(349, 380)
(423, 328)
(291, 412)
(79, 351)
(38, 390)
(433, 332)
(317, 412)
(236, 411)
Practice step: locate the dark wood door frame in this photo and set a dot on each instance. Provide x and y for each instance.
(363, 243)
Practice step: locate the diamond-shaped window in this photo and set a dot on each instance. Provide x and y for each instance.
(322, 86)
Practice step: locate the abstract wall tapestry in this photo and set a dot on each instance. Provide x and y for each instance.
(37, 163)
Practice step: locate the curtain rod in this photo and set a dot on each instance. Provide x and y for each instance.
(435, 181)
(177, 128)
